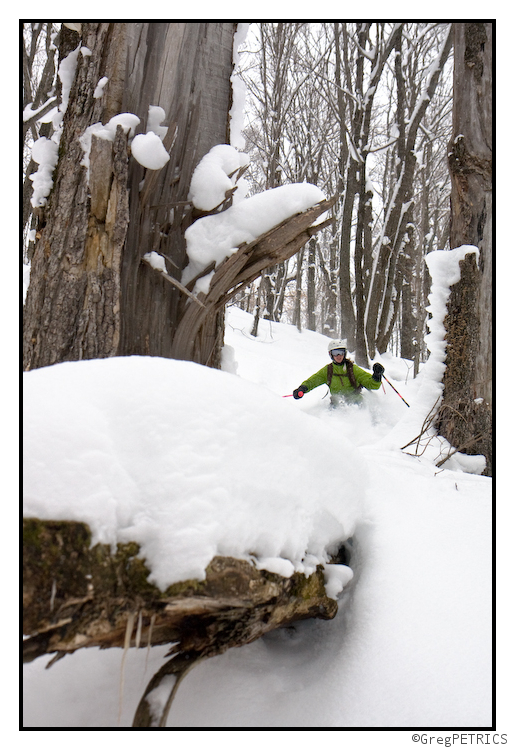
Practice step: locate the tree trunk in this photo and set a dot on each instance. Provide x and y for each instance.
(298, 292)
(362, 258)
(347, 184)
(90, 294)
(466, 411)
(311, 286)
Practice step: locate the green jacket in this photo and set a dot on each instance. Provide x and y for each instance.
(341, 387)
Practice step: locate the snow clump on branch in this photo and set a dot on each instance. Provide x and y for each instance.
(214, 238)
(147, 148)
(215, 175)
(44, 151)
(149, 151)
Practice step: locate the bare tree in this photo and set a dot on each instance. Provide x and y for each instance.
(365, 116)
(385, 276)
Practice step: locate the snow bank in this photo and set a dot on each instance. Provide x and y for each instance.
(411, 643)
(214, 238)
(187, 461)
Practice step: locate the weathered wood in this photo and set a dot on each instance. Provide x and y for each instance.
(90, 295)
(177, 667)
(243, 267)
(72, 288)
(184, 68)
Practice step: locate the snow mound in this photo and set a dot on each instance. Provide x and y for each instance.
(187, 461)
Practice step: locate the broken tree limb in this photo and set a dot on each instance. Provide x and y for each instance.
(239, 270)
(177, 668)
(76, 595)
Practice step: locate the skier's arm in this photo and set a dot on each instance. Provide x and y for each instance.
(319, 378)
(366, 379)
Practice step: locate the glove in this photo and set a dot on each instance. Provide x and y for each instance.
(378, 371)
(299, 392)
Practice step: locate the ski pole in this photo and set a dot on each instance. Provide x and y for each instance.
(396, 391)
(290, 395)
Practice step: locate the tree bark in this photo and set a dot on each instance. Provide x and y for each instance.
(90, 295)
(311, 286)
(184, 68)
(346, 184)
(466, 411)
(73, 301)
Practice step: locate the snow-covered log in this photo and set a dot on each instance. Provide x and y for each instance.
(76, 596)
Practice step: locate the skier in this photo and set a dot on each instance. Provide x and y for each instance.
(344, 378)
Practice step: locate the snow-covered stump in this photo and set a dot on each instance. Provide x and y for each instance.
(77, 596)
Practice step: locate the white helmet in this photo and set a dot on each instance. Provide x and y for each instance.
(337, 344)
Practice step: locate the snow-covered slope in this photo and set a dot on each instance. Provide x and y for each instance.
(411, 644)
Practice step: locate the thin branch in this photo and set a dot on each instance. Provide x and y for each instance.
(466, 444)
(175, 283)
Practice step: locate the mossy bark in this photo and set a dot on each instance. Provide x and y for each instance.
(76, 595)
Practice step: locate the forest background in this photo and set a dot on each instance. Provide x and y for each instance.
(363, 112)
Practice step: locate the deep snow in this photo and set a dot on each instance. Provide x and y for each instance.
(411, 644)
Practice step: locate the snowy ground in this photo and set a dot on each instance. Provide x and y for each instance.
(411, 645)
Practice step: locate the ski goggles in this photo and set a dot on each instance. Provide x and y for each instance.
(337, 352)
